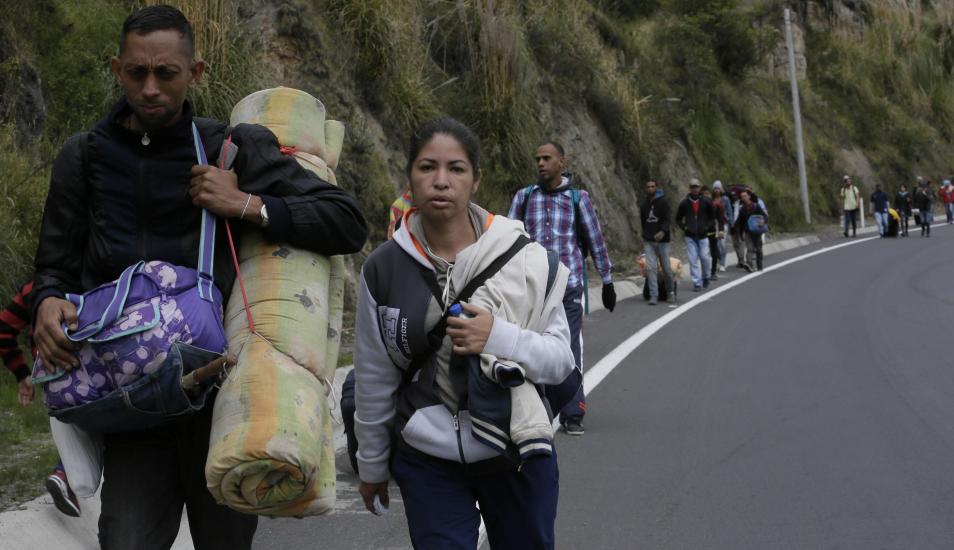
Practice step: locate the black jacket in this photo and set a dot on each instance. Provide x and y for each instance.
(696, 226)
(903, 202)
(119, 202)
(654, 216)
(924, 198)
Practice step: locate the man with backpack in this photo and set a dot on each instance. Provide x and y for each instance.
(696, 217)
(560, 216)
(133, 189)
(851, 203)
(748, 208)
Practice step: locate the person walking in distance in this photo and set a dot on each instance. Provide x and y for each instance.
(753, 240)
(696, 217)
(851, 202)
(654, 214)
(561, 217)
(132, 190)
(879, 206)
(717, 235)
(732, 213)
(924, 200)
(946, 195)
(903, 203)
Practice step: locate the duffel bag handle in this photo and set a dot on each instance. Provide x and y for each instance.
(113, 311)
(207, 239)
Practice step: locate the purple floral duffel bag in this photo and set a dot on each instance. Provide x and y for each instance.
(140, 335)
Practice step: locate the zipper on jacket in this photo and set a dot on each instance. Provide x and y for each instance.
(460, 443)
(141, 240)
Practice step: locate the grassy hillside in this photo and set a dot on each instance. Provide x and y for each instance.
(670, 89)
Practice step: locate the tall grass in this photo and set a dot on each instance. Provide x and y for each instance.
(504, 115)
(390, 57)
(22, 190)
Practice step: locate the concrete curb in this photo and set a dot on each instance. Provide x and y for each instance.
(37, 524)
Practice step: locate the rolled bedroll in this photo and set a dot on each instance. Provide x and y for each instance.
(271, 449)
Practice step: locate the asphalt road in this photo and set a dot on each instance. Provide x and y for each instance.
(809, 407)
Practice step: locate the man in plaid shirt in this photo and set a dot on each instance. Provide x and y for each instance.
(561, 218)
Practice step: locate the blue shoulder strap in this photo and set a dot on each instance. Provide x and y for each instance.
(207, 239)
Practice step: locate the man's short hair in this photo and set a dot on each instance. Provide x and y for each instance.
(158, 18)
(556, 145)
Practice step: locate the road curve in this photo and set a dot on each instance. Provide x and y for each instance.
(810, 407)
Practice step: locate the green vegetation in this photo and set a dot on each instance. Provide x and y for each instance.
(27, 453)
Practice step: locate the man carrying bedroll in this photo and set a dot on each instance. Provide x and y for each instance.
(130, 190)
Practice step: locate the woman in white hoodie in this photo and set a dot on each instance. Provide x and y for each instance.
(452, 406)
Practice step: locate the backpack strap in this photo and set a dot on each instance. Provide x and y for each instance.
(527, 191)
(492, 269)
(436, 335)
(553, 265)
(578, 224)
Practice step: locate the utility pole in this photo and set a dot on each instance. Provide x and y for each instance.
(797, 111)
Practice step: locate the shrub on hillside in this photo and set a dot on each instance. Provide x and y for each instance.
(22, 193)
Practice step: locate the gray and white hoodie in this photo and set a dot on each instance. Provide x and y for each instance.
(397, 309)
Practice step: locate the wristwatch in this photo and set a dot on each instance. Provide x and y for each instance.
(264, 214)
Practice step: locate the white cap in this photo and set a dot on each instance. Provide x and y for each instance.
(717, 184)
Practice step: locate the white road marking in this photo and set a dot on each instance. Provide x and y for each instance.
(606, 365)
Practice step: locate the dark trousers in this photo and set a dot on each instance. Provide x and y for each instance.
(573, 304)
(851, 216)
(519, 507)
(348, 409)
(149, 475)
(753, 250)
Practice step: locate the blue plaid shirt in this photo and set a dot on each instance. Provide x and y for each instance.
(549, 221)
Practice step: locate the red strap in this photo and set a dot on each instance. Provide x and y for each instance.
(228, 231)
(286, 150)
(238, 275)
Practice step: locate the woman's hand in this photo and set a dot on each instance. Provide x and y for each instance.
(470, 335)
(368, 492)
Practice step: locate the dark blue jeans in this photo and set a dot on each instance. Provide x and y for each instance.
(347, 417)
(519, 507)
(573, 304)
(851, 217)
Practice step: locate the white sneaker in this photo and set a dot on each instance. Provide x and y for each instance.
(721, 268)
